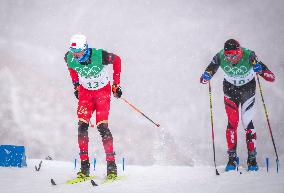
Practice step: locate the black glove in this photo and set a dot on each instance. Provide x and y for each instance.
(116, 91)
(76, 93)
(76, 89)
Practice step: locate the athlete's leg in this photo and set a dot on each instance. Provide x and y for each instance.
(84, 113)
(231, 100)
(233, 120)
(83, 141)
(247, 112)
(247, 105)
(107, 140)
(102, 112)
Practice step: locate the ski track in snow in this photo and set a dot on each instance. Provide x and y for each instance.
(140, 179)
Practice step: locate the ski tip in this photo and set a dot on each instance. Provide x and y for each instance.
(94, 183)
(52, 182)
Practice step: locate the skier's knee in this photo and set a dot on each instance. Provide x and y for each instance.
(82, 128)
(231, 126)
(104, 130)
(250, 135)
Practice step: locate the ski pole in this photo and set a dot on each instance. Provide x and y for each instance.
(157, 124)
(212, 127)
(267, 119)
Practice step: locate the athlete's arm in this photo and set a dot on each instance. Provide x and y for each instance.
(214, 65)
(73, 73)
(110, 58)
(266, 74)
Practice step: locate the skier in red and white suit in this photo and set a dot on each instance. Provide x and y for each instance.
(240, 66)
(87, 67)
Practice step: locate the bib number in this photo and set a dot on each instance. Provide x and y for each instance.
(92, 85)
(239, 82)
(95, 82)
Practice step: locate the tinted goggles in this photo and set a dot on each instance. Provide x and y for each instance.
(75, 50)
(231, 54)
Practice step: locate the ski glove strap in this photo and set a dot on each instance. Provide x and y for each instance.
(116, 90)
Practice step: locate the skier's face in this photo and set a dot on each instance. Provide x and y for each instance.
(234, 56)
(78, 54)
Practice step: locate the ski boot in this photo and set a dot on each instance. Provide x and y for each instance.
(111, 170)
(252, 164)
(232, 163)
(85, 169)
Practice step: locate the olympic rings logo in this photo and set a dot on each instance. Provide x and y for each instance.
(86, 71)
(235, 70)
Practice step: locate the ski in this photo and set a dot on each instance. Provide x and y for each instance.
(73, 181)
(108, 180)
(78, 180)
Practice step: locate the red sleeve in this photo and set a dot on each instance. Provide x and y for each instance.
(116, 69)
(268, 75)
(73, 75)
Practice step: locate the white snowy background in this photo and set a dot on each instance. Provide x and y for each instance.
(165, 46)
(139, 179)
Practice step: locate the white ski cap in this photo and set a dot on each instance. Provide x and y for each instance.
(78, 42)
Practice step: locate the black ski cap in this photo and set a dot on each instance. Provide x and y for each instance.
(231, 44)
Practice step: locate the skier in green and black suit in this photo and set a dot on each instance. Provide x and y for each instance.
(240, 66)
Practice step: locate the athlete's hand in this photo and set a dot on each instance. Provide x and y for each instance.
(76, 89)
(116, 91)
(257, 68)
(268, 75)
(205, 77)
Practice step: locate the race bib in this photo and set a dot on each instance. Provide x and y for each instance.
(95, 82)
(240, 80)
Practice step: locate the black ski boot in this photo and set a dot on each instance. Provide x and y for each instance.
(111, 170)
(252, 164)
(232, 163)
(85, 169)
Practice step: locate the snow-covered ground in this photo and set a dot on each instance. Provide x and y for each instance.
(165, 46)
(141, 179)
